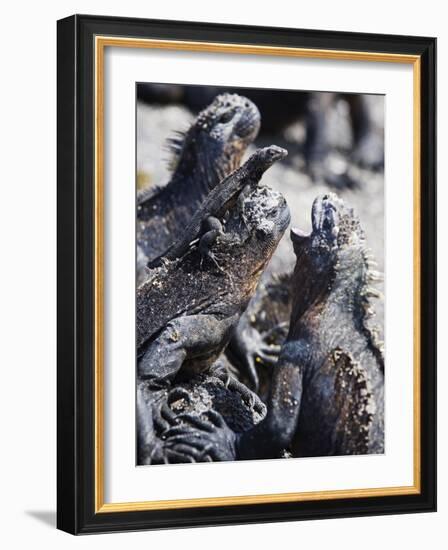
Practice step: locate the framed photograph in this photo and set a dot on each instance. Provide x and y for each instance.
(246, 274)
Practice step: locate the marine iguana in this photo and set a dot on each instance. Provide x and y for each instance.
(209, 151)
(327, 392)
(186, 310)
(220, 200)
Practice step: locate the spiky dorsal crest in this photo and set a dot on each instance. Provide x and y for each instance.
(175, 145)
(356, 262)
(366, 303)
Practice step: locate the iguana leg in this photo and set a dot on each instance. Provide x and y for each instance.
(195, 337)
(275, 433)
(316, 145)
(212, 228)
(250, 398)
(163, 358)
(149, 414)
(155, 424)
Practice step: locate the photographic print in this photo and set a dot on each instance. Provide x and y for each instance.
(259, 274)
(246, 274)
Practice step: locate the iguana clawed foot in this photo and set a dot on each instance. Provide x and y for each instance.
(250, 398)
(249, 347)
(203, 438)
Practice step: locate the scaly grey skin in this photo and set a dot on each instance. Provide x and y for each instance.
(327, 394)
(221, 199)
(209, 151)
(187, 308)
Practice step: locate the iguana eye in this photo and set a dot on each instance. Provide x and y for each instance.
(226, 117)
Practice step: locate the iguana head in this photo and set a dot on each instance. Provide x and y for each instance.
(262, 160)
(333, 258)
(216, 142)
(336, 233)
(254, 230)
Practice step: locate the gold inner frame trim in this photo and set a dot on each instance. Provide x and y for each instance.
(101, 42)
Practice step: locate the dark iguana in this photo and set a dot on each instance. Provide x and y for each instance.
(327, 392)
(220, 200)
(187, 308)
(209, 151)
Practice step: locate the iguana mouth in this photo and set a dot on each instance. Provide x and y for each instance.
(334, 225)
(326, 214)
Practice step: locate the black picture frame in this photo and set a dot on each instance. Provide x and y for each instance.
(76, 260)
